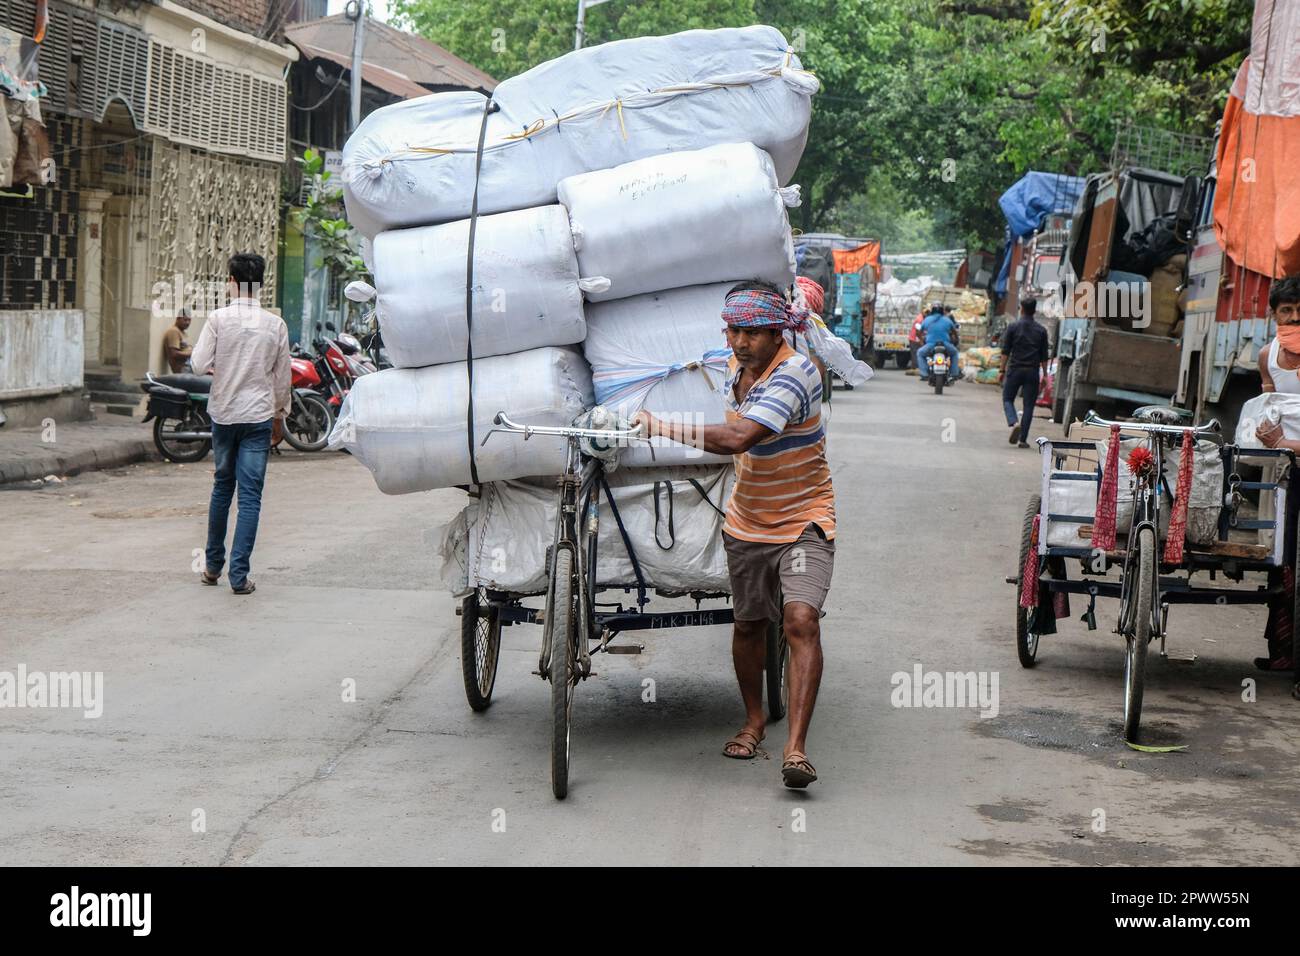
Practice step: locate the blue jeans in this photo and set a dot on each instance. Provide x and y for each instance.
(1024, 381)
(923, 358)
(241, 452)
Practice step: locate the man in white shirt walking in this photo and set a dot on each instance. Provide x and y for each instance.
(246, 348)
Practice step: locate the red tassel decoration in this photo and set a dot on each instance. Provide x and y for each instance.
(1029, 573)
(1103, 525)
(1177, 537)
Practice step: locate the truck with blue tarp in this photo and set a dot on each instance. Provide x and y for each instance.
(1037, 209)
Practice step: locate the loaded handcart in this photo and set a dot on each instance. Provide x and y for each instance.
(1185, 541)
(575, 625)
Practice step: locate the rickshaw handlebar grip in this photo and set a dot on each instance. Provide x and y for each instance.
(1211, 427)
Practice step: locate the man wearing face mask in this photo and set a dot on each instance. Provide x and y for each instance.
(246, 348)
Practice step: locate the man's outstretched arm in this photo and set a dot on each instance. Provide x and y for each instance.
(732, 438)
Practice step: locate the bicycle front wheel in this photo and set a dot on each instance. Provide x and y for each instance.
(562, 625)
(1142, 594)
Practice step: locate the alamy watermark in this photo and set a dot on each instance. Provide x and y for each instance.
(76, 690)
(959, 689)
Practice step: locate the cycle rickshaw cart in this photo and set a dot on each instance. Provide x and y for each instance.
(1153, 576)
(575, 625)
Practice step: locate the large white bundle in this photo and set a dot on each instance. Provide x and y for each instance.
(500, 540)
(663, 352)
(660, 222)
(413, 162)
(1272, 407)
(408, 425)
(527, 294)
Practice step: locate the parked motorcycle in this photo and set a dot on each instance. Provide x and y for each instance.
(307, 426)
(338, 362)
(178, 406)
(182, 430)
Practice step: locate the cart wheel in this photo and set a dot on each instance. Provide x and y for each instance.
(480, 646)
(1142, 594)
(1026, 637)
(778, 658)
(561, 624)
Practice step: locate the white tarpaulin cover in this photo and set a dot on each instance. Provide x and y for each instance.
(412, 163)
(408, 425)
(526, 287)
(682, 219)
(500, 540)
(663, 352)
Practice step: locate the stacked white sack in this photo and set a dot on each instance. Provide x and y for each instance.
(413, 163)
(659, 222)
(663, 352)
(1273, 407)
(408, 426)
(500, 540)
(527, 293)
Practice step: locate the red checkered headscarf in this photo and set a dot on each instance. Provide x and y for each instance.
(813, 293)
(757, 308)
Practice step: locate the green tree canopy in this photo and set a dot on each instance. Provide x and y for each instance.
(929, 109)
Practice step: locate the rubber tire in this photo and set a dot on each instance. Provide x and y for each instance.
(881, 359)
(939, 381)
(309, 402)
(1135, 654)
(1026, 641)
(561, 623)
(903, 359)
(474, 628)
(198, 449)
(778, 658)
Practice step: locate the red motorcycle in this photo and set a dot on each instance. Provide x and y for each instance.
(307, 427)
(338, 362)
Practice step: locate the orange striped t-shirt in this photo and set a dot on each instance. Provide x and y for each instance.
(784, 482)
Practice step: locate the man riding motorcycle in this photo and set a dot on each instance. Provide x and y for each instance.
(940, 331)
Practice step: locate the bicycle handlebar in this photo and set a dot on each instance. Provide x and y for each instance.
(1209, 428)
(502, 420)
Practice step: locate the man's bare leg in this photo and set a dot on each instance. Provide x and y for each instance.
(804, 671)
(749, 654)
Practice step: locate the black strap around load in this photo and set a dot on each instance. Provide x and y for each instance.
(672, 532)
(627, 543)
(488, 108)
(705, 495)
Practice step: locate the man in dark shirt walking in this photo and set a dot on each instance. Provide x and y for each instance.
(1024, 354)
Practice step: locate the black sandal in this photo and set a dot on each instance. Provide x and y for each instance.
(248, 588)
(209, 579)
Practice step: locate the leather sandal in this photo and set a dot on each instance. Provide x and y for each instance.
(747, 741)
(797, 772)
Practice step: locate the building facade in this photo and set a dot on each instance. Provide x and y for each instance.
(167, 133)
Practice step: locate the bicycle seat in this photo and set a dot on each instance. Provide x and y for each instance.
(1162, 415)
(186, 382)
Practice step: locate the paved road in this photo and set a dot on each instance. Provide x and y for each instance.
(233, 706)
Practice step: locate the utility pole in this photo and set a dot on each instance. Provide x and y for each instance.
(580, 33)
(356, 12)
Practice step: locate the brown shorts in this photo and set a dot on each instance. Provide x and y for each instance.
(766, 577)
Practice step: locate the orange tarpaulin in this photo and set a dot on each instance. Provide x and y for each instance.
(852, 260)
(1257, 199)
